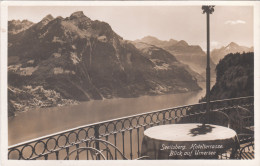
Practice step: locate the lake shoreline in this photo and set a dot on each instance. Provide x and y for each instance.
(44, 121)
(70, 102)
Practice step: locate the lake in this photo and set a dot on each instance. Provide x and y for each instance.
(43, 121)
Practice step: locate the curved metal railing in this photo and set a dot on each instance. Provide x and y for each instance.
(126, 133)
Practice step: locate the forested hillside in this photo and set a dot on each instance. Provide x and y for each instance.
(235, 76)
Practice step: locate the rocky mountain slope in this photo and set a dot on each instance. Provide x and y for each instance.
(60, 61)
(163, 59)
(220, 53)
(191, 55)
(159, 43)
(235, 77)
(16, 26)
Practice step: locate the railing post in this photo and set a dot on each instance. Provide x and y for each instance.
(57, 155)
(164, 118)
(131, 145)
(46, 157)
(115, 145)
(87, 150)
(67, 151)
(138, 143)
(77, 146)
(96, 128)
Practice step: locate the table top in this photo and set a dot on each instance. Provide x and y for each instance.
(189, 132)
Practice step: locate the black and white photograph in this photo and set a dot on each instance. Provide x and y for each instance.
(144, 81)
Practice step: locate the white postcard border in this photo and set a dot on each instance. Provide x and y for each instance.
(3, 74)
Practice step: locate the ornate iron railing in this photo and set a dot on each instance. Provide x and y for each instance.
(126, 133)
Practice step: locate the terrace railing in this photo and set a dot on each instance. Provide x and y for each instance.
(126, 133)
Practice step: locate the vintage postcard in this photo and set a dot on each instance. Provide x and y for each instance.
(157, 81)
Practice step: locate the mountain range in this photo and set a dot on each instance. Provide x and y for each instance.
(60, 61)
(220, 53)
(16, 26)
(160, 56)
(191, 55)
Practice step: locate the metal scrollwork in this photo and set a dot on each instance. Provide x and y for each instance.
(122, 132)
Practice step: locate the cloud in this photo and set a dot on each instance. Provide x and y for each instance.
(234, 22)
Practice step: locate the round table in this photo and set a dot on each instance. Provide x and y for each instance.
(189, 141)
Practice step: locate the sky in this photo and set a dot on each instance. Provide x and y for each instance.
(227, 23)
